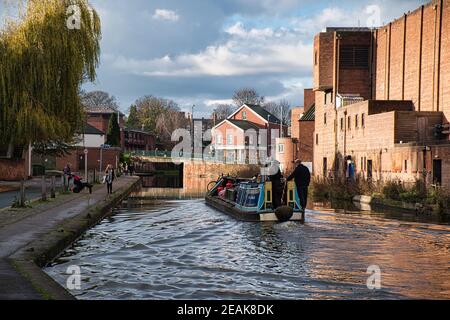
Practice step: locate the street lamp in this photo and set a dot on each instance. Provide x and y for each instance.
(192, 129)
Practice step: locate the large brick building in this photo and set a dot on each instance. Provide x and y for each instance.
(382, 96)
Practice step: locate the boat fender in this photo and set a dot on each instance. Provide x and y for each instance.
(284, 213)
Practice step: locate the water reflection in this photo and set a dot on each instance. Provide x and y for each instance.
(186, 250)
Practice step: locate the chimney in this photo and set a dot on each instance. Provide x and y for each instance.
(309, 99)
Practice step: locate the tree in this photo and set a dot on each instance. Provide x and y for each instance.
(168, 122)
(133, 121)
(98, 99)
(223, 111)
(42, 66)
(150, 108)
(247, 96)
(113, 134)
(281, 109)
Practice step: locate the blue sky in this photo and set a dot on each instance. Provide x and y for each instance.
(200, 51)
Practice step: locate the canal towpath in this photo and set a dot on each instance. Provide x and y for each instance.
(27, 234)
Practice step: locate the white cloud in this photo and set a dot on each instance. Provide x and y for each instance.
(167, 15)
(239, 30)
(246, 52)
(215, 102)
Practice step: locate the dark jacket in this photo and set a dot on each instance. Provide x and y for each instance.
(301, 176)
(276, 177)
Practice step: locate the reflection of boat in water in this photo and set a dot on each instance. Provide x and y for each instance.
(247, 200)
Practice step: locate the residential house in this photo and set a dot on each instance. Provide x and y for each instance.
(138, 140)
(249, 130)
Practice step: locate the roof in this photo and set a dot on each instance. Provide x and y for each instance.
(310, 115)
(244, 125)
(347, 29)
(88, 129)
(263, 113)
(103, 109)
(137, 131)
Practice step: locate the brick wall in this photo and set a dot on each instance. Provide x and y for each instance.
(355, 80)
(306, 141)
(295, 117)
(308, 99)
(323, 67)
(75, 158)
(413, 58)
(12, 169)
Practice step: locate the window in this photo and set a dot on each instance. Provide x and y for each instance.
(317, 139)
(363, 116)
(230, 139)
(362, 164)
(219, 139)
(354, 57)
(342, 124)
(356, 121)
(315, 58)
(281, 148)
(349, 123)
(324, 118)
(244, 115)
(406, 165)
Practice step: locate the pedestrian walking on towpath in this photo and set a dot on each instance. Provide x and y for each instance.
(302, 178)
(109, 178)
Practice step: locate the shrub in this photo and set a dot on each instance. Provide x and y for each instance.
(393, 189)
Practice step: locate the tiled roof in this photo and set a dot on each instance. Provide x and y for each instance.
(264, 113)
(310, 115)
(88, 129)
(102, 109)
(245, 125)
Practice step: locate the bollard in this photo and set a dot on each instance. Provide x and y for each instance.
(44, 189)
(52, 190)
(22, 193)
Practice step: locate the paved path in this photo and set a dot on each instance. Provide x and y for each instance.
(19, 228)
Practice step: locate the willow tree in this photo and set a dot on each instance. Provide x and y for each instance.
(43, 63)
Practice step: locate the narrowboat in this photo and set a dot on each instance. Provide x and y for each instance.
(248, 200)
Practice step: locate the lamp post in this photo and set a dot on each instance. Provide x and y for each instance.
(192, 129)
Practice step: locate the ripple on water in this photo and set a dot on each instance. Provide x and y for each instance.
(185, 250)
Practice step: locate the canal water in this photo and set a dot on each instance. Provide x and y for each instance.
(186, 250)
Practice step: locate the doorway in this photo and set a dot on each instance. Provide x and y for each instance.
(437, 172)
(81, 165)
(369, 169)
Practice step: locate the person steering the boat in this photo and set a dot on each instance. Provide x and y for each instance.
(302, 178)
(275, 178)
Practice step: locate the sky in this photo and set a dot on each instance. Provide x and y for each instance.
(198, 52)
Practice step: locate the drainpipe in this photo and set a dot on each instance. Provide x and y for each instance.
(434, 55)
(438, 79)
(388, 62)
(404, 56)
(419, 95)
(335, 94)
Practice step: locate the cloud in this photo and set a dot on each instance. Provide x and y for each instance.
(245, 52)
(202, 58)
(168, 15)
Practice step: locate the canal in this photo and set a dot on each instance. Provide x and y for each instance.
(186, 250)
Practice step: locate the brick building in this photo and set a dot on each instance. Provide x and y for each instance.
(382, 96)
(241, 131)
(138, 140)
(302, 128)
(98, 117)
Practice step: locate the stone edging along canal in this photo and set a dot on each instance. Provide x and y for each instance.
(30, 260)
